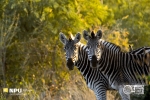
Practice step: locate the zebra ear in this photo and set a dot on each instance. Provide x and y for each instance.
(99, 34)
(77, 38)
(62, 38)
(85, 35)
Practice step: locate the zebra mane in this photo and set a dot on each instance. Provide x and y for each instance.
(92, 35)
(109, 45)
(70, 37)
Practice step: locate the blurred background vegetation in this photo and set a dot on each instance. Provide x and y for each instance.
(32, 57)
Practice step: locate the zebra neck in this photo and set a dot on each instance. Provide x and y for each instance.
(83, 64)
(81, 54)
(109, 45)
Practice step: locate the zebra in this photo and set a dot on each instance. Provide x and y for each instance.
(120, 68)
(140, 50)
(76, 56)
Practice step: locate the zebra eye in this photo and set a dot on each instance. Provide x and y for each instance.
(97, 44)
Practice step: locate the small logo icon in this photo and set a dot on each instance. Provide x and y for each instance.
(139, 89)
(136, 89)
(127, 89)
(5, 90)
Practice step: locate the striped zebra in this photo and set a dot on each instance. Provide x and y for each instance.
(141, 50)
(119, 68)
(76, 56)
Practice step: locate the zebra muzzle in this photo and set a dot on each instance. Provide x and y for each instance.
(94, 62)
(70, 64)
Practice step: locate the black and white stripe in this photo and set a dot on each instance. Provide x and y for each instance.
(120, 68)
(93, 77)
(140, 50)
(128, 65)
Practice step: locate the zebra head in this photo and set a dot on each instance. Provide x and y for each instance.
(94, 49)
(70, 48)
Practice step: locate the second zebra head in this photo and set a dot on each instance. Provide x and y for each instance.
(70, 48)
(94, 47)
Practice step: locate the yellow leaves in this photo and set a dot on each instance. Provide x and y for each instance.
(55, 5)
(33, 76)
(140, 14)
(43, 80)
(125, 34)
(147, 79)
(125, 17)
(48, 9)
(64, 75)
(5, 34)
(20, 83)
(120, 39)
(98, 15)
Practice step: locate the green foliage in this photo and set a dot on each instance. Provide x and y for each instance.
(34, 55)
(73, 16)
(118, 36)
(135, 18)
